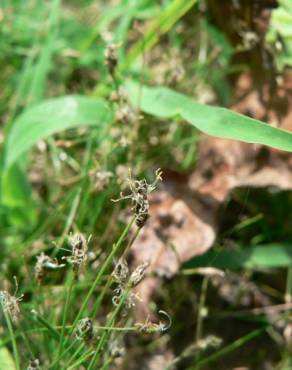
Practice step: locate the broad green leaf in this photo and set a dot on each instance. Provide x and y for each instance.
(15, 189)
(219, 122)
(11, 180)
(265, 256)
(6, 359)
(15, 195)
(52, 116)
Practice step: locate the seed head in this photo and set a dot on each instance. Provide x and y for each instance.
(101, 179)
(84, 330)
(10, 304)
(121, 272)
(119, 96)
(138, 274)
(211, 341)
(126, 114)
(176, 70)
(132, 299)
(111, 58)
(117, 351)
(79, 251)
(149, 327)
(118, 293)
(139, 196)
(43, 264)
(34, 364)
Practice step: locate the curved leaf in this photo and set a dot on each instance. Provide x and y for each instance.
(6, 359)
(263, 256)
(51, 116)
(214, 121)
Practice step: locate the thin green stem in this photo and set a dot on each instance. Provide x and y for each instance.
(199, 328)
(107, 363)
(131, 242)
(51, 330)
(57, 359)
(288, 299)
(288, 295)
(27, 343)
(117, 328)
(75, 354)
(29, 331)
(65, 313)
(13, 341)
(86, 355)
(227, 349)
(101, 296)
(110, 324)
(109, 281)
(102, 271)
(98, 328)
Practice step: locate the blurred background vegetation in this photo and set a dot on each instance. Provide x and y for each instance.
(69, 133)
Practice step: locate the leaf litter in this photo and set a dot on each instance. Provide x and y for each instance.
(184, 212)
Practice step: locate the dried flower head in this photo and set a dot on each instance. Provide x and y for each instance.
(34, 364)
(101, 179)
(121, 272)
(139, 196)
(202, 345)
(126, 114)
(210, 341)
(149, 327)
(10, 303)
(138, 274)
(177, 74)
(130, 300)
(43, 264)
(121, 174)
(84, 330)
(118, 293)
(117, 352)
(124, 141)
(79, 251)
(175, 68)
(111, 58)
(119, 95)
(116, 349)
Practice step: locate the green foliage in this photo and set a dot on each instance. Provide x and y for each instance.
(263, 256)
(6, 359)
(16, 197)
(57, 89)
(35, 123)
(219, 122)
(162, 23)
(52, 116)
(280, 34)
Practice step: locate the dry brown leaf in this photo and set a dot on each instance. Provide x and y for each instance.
(179, 228)
(142, 360)
(183, 214)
